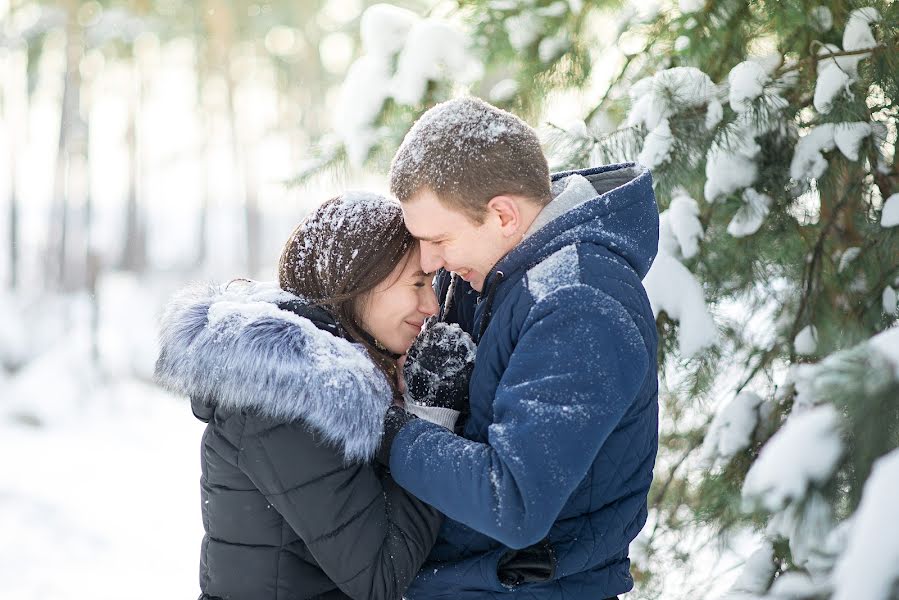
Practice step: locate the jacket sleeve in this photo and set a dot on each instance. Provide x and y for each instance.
(367, 534)
(569, 381)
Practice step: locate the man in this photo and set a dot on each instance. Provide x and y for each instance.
(548, 486)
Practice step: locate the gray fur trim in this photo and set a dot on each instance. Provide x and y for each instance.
(233, 347)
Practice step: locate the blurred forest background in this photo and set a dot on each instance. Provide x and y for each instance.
(148, 143)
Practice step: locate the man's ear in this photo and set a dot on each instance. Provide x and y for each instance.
(506, 211)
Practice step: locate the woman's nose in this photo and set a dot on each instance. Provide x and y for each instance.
(429, 306)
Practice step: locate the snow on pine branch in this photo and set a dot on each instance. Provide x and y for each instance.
(671, 287)
(422, 50)
(656, 99)
(869, 568)
(803, 453)
(732, 428)
(837, 73)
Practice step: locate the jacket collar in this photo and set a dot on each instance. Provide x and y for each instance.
(233, 347)
(622, 216)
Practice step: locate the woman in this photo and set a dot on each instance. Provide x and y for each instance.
(294, 381)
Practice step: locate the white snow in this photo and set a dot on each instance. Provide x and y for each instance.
(858, 34)
(848, 137)
(384, 28)
(808, 161)
(555, 10)
(524, 29)
(728, 170)
(690, 6)
(679, 226)
(108, 502)
(890, 299)
(750, 216)
(713, 114)
(846, 258)
(665, 93)
(758, 572)
(794, 585)
(424, 50)
(806, 341)
(821, 18)
(434, 50)
(551, 48)
(835, 74)
(803, 453)
(672, 289)
(869, 568)
(657, 146)
(747, 82)
(559, 270)
(887, 344)
(503, 91)
(681, 43)
(361, 98)
(889, 215)
(832, 81)
(731, 430)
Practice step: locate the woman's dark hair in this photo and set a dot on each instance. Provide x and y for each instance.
(342, 251)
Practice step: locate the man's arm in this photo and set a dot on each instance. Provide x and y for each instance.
(578, 365)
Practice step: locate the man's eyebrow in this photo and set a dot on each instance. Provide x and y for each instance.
(430, 238)
(420, 273)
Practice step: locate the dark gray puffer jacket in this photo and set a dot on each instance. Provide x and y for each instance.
(293, 507)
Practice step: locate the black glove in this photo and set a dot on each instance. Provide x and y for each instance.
(529, 565)
(394, 420)
(438, 367)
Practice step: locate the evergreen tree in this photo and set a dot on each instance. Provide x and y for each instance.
(771, 131)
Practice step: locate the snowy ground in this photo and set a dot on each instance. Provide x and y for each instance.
(99, 480)
(102, 506)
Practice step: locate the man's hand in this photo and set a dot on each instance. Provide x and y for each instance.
(438, 367)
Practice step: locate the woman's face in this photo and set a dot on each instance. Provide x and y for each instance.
(394, 311)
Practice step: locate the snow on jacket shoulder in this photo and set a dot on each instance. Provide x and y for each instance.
(562, 436)
(292, 507)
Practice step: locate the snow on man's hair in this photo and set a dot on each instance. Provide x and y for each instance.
(468, 151)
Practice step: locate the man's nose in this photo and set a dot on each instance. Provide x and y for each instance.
(430, 258)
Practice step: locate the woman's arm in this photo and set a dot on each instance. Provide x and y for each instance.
(366, 533)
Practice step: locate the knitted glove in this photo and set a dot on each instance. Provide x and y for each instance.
(394, 420)
(438, 367)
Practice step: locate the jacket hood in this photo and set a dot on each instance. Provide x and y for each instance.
(622, 216)
(233, 347)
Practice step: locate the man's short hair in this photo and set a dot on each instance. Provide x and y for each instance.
(467, 151)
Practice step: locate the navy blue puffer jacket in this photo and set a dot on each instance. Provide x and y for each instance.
(561, 441)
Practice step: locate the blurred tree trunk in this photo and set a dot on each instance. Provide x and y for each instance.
(241, 152)
(203, 219)
(13, 223)
(69, 115)
(221, 25)
(17, 141)
(134, 246)
(203, 60)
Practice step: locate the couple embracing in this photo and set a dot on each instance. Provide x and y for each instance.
(450, 396)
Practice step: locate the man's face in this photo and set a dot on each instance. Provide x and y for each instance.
(450, 240)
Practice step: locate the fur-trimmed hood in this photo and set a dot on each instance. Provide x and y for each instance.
(231, 346)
